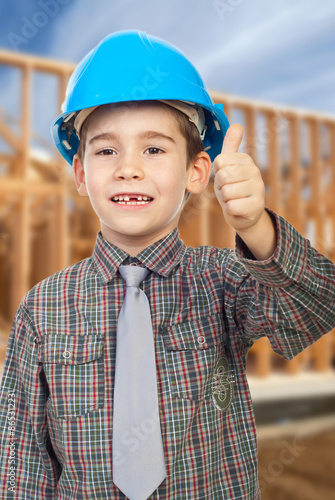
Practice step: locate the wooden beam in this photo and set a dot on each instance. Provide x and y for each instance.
(36, 63)
(62, 222)
(20, 266)
(14, 185)
(332, 166)
(61, 230)
(25, 119)
(204, 219)
(274, 177)
(322, 351)
(296, 201)
(6, 157)
(251, 134)
(234, 101)
(10, 137)
(317, 206)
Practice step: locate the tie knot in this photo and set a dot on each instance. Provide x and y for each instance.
(133, 275)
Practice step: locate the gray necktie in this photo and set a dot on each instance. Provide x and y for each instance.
(138, 456)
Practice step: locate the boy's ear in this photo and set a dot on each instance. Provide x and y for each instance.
(200, 171)
(79, 176)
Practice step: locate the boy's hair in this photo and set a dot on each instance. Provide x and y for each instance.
(188, 130)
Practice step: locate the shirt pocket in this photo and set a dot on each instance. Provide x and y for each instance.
(74, 370)
(193, 350)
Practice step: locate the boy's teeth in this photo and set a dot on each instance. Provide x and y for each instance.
(131, 200)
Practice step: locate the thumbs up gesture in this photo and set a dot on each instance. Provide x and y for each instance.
(238, 184)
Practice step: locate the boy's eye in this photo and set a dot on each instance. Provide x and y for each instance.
(106, 152)
(154, 151)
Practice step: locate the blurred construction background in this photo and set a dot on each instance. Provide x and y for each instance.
(45, 226)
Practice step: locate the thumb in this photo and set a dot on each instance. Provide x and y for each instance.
(233, 139)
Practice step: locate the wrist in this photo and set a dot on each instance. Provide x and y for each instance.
(261, 237)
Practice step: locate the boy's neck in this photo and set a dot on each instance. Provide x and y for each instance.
(135, 244)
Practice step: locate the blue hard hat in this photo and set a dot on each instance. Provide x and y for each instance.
(133, 66)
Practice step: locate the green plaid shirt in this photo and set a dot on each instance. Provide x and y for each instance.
(208, 305)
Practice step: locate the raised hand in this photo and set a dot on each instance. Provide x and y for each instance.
(239, 186)
(240, 190)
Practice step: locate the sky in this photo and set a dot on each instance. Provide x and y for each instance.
(280, 52)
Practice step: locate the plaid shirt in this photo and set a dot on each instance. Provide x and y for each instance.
(208, 305)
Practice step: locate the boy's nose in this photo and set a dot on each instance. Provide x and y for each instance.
(129, 169)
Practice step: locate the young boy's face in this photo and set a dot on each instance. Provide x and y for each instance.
(135, 173)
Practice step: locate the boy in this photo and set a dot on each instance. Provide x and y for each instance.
(138, 150)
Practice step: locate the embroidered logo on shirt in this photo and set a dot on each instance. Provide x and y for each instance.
(222, 385)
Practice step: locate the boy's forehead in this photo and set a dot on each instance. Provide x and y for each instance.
(126, 110)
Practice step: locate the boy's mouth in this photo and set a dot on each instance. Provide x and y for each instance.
(131, 199)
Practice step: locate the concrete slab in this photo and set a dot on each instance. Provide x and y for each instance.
(283, 386)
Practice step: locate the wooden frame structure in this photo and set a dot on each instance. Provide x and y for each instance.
(45, 225)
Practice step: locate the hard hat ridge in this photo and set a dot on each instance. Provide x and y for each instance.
(133, 66)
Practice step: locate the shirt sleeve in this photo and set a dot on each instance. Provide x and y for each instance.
(28, 465)
(289, 297)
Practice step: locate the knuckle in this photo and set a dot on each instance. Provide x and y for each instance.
(225, 190)
(222, 176)
(229, 208)
(246, 158)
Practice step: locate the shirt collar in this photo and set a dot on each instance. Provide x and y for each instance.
(161, 257)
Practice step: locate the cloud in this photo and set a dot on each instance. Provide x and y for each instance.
(290, 46)
(276, 51)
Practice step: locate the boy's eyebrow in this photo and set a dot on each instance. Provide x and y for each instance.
(152, 134)
(105, 136)
(148, 134)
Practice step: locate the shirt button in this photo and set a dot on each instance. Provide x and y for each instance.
(66, 355)
(201, 340)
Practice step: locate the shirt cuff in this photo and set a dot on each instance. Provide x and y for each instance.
(286, 265)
